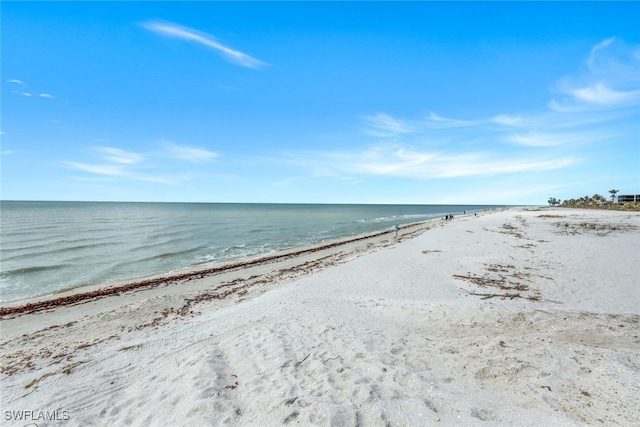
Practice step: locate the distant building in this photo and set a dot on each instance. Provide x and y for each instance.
(624, 198)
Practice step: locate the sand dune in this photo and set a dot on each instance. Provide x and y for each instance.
(518, 317)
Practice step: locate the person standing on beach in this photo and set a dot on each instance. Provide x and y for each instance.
(397, 228)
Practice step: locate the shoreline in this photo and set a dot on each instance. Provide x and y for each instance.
(92, 292)
(516, 317)
(160, 241)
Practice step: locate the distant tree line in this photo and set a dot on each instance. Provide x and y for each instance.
(594, 202)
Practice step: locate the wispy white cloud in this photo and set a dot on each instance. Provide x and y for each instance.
(535, 139)
(599, 93)
(190, 154)
(593, 55)
(609, 79)
(121, 171)
(169, 29)
(508, 120)
(417, 164)
(102, 169)
(400, 162)
(510, 143)
(112, 162)
(20, 87)
(436, 121)
(383, 125)
(116, 163)
(117, 155)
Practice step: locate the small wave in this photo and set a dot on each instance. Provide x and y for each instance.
(33, 269)
(165, 255)
(234, 251)
(168, 236)
(242, 246)
(397, 218)
(165, 239)
(39, 250)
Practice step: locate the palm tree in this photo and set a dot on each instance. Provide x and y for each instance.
(613, 194)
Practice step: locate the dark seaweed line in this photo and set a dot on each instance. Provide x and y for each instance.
(152, 283)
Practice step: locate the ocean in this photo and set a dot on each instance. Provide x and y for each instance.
(49, 247)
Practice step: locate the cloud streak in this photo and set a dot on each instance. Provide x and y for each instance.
(426, 165)
(383, 125)
(168, 29)
(504, 119)
(595, 111)
(599, 93)
(117, 155)
(22, 88)
(99, 169)
(438, 122)
(121, 164)
(536, 139)
(190, 154)
(610, 79)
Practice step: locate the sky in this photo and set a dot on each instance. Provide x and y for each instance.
(319, 102)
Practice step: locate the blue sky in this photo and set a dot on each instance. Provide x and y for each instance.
(327, 102)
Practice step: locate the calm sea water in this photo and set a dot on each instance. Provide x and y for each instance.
(47, 247)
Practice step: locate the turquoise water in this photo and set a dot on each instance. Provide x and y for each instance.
(46, 247)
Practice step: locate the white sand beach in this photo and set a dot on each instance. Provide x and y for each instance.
(525, 316)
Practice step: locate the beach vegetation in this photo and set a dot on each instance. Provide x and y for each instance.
(597, 201)
(597, 228)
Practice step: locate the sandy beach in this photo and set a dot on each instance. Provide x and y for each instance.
(523, 316)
